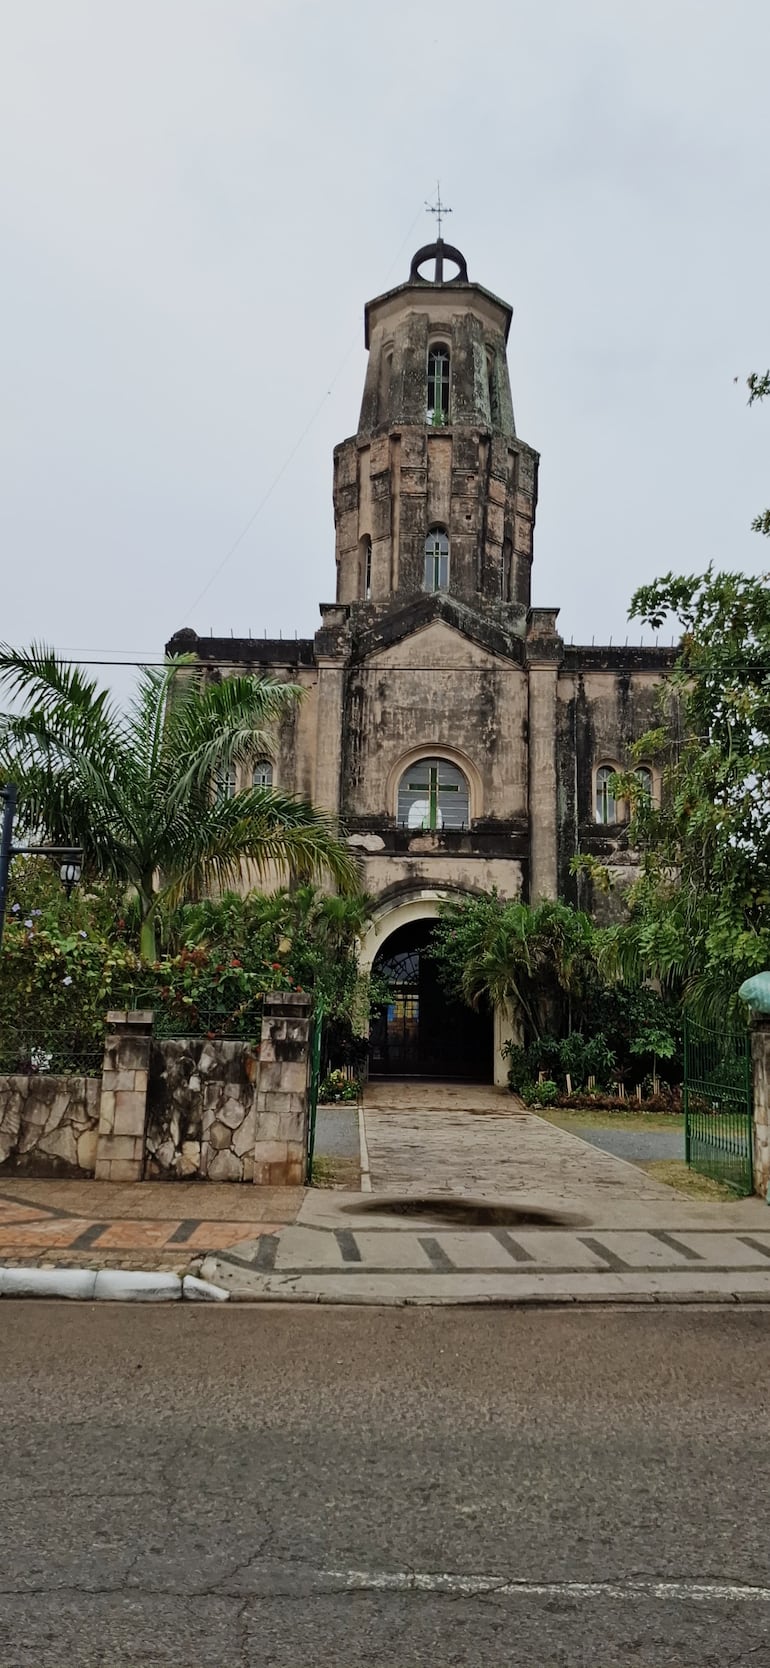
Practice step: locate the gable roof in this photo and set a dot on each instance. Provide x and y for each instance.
(413, 616)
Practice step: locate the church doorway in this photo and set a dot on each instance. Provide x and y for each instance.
(420, 1032)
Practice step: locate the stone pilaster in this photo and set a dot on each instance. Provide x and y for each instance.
(544, 653)
(123, 1105)
(760, 1062)
(329, 736)
(280, 1146)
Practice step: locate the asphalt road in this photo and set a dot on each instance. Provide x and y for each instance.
(302, 1487)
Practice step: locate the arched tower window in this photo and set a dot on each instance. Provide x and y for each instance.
(436, 560)
(366, 569)
(438, 384)
(606, 803)
(262, 774)
(433, 794)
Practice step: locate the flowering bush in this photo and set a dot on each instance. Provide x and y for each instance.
(338, 1087)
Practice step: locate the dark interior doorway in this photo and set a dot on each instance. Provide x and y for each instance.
(420, 1033)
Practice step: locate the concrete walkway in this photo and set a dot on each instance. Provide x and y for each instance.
(433, 1138)
(610, 1234)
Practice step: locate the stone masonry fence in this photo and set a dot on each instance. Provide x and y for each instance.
(216, 1108)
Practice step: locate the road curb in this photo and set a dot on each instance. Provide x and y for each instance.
(110, 1285)
(363, 1152)
(665, 1300)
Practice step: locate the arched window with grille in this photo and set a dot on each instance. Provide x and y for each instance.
(224, 783)
(606, 803)
(643, 776)
(262, 774)
(438, 384)
(436, 560)
(433, 794)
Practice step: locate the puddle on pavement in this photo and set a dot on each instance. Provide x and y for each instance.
(467, 1212)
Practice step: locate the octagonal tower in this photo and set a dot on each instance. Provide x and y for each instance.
(436, 492)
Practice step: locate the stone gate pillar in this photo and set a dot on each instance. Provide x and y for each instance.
(123, 1105)
(760, 1062)
(280, 1147)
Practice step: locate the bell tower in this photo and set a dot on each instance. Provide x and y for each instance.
(435, 491)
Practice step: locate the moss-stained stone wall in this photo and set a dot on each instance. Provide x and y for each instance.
(48, 1125)
(201, 1111)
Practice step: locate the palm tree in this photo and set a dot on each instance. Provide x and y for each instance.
(138, 790)
(517, 956)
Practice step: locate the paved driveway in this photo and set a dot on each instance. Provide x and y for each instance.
(471, 1138)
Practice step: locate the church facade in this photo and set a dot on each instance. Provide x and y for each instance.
(461, 742)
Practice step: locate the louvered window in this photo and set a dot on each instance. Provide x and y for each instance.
(438, 384)
(433, 794)
(436, 560)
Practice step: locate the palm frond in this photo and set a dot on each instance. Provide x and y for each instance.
(67, 699)
(267, 830)
(224, 725)
(157, 687)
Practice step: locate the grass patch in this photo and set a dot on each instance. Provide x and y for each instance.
(594, 1119)
(675, 1173)
(336, 1172)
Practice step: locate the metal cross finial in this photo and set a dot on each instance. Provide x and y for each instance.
(438, 208)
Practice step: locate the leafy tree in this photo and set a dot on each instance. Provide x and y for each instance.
(66, 961)
(137, 789)
(699, 919)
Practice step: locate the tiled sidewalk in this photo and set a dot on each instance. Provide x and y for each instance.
(352, 1257)
(143, 1225)
(610, 1233)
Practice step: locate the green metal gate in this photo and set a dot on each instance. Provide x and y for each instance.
(315, 1079)
(718, 1123)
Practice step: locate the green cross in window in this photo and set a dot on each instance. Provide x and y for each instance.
(432, 787)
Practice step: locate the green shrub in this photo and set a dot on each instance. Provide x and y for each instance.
(580, 1057)
(541, 1094)
(519, 1070)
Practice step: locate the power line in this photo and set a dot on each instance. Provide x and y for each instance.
(216, 663)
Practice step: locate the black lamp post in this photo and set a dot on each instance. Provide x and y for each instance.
(70, 872)
(71, 855)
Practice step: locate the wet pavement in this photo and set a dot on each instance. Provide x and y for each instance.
(637, 1146)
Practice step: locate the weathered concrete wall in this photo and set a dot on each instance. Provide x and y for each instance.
(437, 692)
(48, 1125)
(201, 1110)
(440, 862)
(607, 700)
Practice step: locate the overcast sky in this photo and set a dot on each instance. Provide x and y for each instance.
(198, 197)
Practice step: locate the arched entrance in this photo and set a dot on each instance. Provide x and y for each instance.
(420, 1033)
